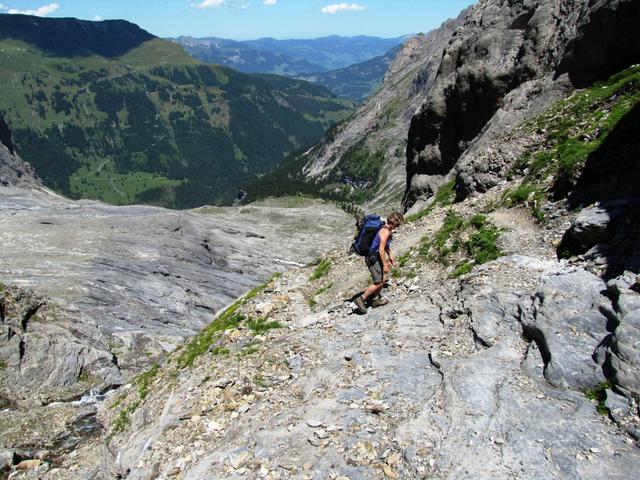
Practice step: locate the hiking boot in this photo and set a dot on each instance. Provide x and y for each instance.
(378, 302)
(361, 307)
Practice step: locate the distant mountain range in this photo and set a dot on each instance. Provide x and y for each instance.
(106, 110)
(351, 67)
(357, 81)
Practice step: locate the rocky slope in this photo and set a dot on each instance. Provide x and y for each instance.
(525, 367)
(13, 171)
(510, 347)
(363, 158)
(92, 294)
(503, 353)
(508, 60)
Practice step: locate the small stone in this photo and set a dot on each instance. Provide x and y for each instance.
(320, 433)
(376, 409)
(393, 459)
(388, 472)
(314, 423)
(237, 460)
(244, 408)
(29, 464)
(214, 426)
(223, 383)
(348, 357)
(594, 450)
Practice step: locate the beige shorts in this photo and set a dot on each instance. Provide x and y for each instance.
(375, 267)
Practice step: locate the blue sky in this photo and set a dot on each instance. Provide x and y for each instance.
(250, 19)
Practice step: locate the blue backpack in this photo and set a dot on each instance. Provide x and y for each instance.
(368, 227)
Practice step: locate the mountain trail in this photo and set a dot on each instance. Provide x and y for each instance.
(431, 385)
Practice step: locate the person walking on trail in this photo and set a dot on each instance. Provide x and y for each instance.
(379, 260)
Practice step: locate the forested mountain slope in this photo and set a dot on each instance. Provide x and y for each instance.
(138, 120)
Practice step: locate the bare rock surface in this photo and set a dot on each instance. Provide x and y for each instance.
(482, 376)
(380, 124)
(94, 290)
(13, 171)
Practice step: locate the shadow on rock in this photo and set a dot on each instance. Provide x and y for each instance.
(607, 228)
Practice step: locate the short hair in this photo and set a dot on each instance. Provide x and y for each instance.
(396, 218)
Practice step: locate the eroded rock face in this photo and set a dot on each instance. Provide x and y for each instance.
(13, 171)
(478, 377)
(624, 356)
(114, 288)
(380, 125)
(503, 64)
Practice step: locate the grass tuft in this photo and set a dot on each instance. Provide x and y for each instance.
(599, 394)
(321, 270)
(261, 325)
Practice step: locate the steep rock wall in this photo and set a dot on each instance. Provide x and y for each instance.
(507, 61)
(13, 171)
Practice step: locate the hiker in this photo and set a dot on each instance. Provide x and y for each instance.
(379, 260)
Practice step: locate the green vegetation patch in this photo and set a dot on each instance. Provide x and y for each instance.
(322, 269)
(203, 341)
(599, 394)
(466, 242)
(228, 319)
(123, 419)
(143, 380)
(312, 301)
(445, 195)
(572, 129)
(262, 324)
(528, 194)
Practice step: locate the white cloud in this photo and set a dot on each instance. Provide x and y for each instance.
(342, 7)
(270, 2)
(97, 18)
(39, 12)
(3, 7)
(205, 4)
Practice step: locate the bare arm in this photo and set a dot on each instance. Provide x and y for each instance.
(382, 250)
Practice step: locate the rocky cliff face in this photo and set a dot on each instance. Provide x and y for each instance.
(13, 171)
(506, 61)
(379, 126)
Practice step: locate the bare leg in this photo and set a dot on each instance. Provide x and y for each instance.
(372, 290)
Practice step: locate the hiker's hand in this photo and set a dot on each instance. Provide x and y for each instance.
(386, 269)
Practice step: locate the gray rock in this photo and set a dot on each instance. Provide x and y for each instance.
(13, 170)
(295, 364)
(624, 354)
(121, 286)
(591, 226)
(501, 67)
(565, 320)
(617, 404)
(6, 460)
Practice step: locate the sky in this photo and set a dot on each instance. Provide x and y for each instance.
(251, 19)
